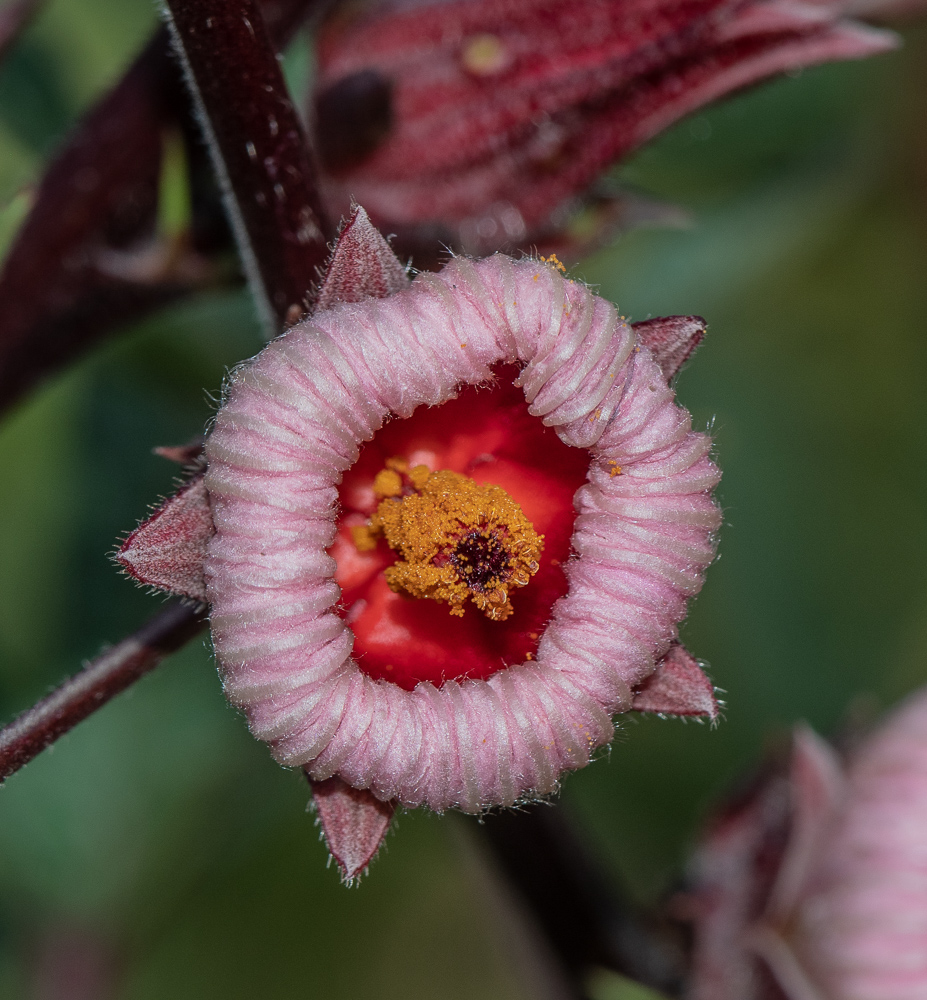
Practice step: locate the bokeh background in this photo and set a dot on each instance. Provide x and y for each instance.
(160, 849)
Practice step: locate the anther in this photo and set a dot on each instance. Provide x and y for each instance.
(458, 540)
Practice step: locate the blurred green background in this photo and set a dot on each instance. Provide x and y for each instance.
(161, 838)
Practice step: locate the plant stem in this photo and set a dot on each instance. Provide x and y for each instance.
(574, 903)
(102, 679)
(259, 150)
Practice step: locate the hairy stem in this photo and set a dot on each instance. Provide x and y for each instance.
(259, 150)
(96, 684)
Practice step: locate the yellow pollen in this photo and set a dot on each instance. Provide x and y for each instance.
(418, 476)
(552, 259)
(387, 483)
(363, 538)
(458, 540)
(614, 469)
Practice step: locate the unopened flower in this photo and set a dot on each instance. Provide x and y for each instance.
(455, 530)
(814, 886)
(485, 124)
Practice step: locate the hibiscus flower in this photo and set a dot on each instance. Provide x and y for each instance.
(446, 533)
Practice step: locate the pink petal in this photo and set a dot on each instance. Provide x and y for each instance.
(671, 339)
(678, 686)
(354, 823)
(167, 550)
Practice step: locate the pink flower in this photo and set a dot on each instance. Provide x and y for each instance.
(817, 882)
(455, 530)
(486, 124)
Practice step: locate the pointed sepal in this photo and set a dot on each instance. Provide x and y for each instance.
(353, 821)
(679, 686)
(189, 455)
(671, 340)
(167, 551)
(361, 265)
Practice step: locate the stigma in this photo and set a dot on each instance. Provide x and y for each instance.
(457, 540)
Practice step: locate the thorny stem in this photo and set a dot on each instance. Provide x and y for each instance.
(259, 150)
(102, 679)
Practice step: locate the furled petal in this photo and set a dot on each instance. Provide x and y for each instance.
(818, 788)
(293, 423)
(861, 929)
(813, 884)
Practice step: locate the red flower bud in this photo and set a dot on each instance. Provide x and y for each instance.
(480, 122)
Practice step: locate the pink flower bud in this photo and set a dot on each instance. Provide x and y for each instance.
(814, 885)
(862, 929)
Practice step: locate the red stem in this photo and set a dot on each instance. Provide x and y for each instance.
(259, 150)
(96, 684)
(100, 192)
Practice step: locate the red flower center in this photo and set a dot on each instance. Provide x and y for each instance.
(489, 436)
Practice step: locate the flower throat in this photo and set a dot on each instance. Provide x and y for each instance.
(458, 540)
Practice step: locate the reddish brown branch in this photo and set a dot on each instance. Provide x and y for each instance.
(97, 201)
(582, 916)
(96, 684)
(258, 147)
(105, 178)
